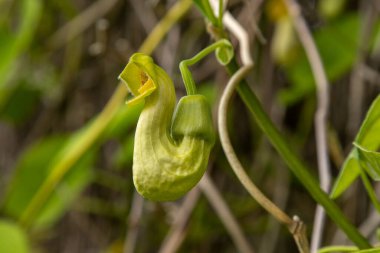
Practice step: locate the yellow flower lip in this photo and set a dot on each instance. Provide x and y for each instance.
(145, 90)
(139, 78)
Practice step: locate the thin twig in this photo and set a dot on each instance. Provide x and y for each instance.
(177, 231)
(216, 200)
(133, 223)
(146, 15)
(230, 153)
(369, 74)
(176, 235)
(295, 226)
(369, 225)
(320, 115)
(281, 193)
(357, 85)
(80, 23)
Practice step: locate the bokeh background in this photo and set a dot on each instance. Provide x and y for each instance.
(59, 63)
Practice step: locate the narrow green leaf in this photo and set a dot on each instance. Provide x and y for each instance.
(12, 111)
(30, 13)
(12, 238)
(337, 44)
(32, 169)
(374, 250)
(364, 153)
(368, 135)
(349, 172)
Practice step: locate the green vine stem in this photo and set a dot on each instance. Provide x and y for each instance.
(222, 45)
(91, 134)
(294, 162)
(338, 248)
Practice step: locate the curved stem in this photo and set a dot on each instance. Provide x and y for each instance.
(230, 153)
(185, 64)
(294, 162)
(238, 31)
(295, 226)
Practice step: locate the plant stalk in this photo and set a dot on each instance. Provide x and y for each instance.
(294, 162)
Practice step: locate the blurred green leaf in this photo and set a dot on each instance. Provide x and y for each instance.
(125, 118)
(21, 105)
(374, 250)
(12, 238)
(124, 155)
(337, 44)
(367, 141)
(330, 9)
(15, 44)
(32, 170)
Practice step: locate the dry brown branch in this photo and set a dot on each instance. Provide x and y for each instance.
(133, 223)
(295, 226)
(220, 206)
(176, 235)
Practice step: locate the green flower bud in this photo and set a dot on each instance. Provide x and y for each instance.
(171, 152)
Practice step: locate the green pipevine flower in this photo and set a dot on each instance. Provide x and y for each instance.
(172, 145)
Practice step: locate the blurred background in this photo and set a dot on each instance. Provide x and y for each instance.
(59, 63)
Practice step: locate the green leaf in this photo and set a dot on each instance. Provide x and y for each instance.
(349, 172)
(374, 250)
(370, 161)
(16, 112)
(368, 135)
(32, 170)
(12, 238)
(337, 45)
(124, 120)
(206, 10)
(30, 13)
(14, 44)
(330, 9)
(367, 142)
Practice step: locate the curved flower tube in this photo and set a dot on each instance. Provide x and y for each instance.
(171, 146)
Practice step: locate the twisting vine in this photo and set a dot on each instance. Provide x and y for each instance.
(295, 225)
